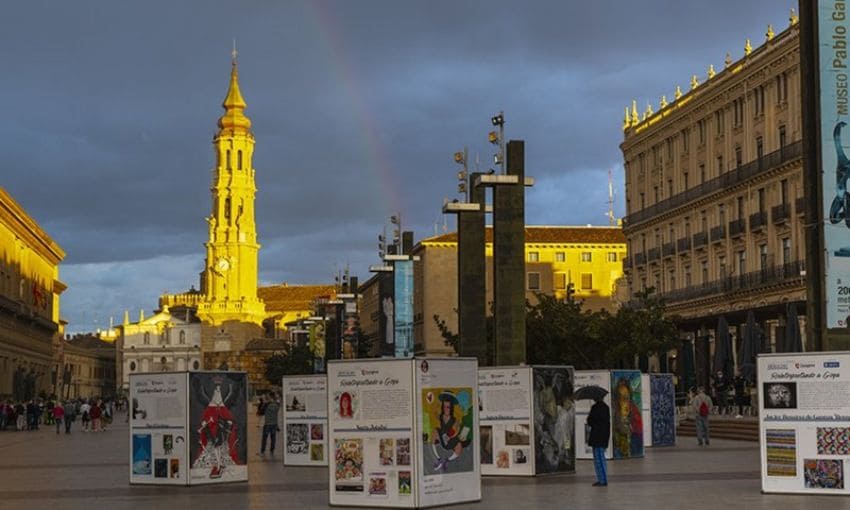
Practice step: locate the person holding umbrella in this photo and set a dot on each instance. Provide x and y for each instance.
(599, 422)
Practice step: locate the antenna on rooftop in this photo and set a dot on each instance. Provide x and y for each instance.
(612, 220)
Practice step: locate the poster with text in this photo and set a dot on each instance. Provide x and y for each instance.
(554, 420)
(646, 409)
(158, 428)
(505, 431)
(370, 433)
(449, 449)
(835, 170)
(626, 414)
(582, 378)
(218, 414)
(804, 422)
(305, 420)
(663, 409)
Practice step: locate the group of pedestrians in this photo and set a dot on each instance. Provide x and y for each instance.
(94, 414)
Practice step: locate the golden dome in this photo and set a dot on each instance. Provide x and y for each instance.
(234, 118)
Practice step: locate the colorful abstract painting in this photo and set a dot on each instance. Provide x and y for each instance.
(626, 419)
(663, 409)
(833, 441)
(824, 473)
(781, 449)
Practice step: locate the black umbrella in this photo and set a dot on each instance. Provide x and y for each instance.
(793, 338)
(749, 349)
(723, 348)
(592, 392)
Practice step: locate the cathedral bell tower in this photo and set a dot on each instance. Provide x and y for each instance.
(229, 279)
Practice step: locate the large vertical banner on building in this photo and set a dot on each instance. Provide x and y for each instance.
(626, 414)
(158, 429)
(833, 28)
(350, 329)
(218, 427)
(804, 422)
(554, 420)
(403, 322)
(386, 315)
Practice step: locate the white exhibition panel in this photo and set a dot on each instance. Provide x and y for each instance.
(305, 420)
(646, 409)
(506, 431)
(158, 428)
(601, 378)
(390, 448)
(804, 422)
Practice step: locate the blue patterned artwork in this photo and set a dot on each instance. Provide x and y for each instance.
(663, 406)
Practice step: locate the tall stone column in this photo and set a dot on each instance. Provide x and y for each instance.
(471, 277)
(509, 260)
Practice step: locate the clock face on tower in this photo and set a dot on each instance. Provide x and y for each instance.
(223, 264)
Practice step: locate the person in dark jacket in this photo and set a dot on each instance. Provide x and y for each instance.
(599, 421)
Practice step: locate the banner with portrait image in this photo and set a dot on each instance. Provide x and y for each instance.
(804, 422)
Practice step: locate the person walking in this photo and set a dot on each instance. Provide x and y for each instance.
(701, 405)
(85, 408)
(57, 413)
(599, 421)
(20, 417)
(272, 408)
(70, 415)
(95, 414)
(261, 409)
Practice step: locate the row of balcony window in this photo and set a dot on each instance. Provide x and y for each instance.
(779, 214)
(792, 272)
(726, 180)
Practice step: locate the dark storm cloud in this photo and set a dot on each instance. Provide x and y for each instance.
(109, 109)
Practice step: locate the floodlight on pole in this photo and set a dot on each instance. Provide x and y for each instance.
(495, 138)
(461, 159)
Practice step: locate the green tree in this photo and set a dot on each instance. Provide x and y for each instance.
(295, 360)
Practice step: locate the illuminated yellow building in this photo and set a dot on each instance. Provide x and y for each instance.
(30, 330)
(587, 260)
(229, 280)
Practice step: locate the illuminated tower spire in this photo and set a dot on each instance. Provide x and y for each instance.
(229, 280)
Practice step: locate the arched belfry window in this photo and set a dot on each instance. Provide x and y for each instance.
(239, 160)
(227, 208)
(229, 166)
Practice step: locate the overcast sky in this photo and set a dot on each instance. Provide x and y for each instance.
(109, 109)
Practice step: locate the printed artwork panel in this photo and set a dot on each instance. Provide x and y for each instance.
(218, 411)
(781, 449)
(823, 473)
(626, 418)
(663, 410)
(833, 441)
(448, 425)
(554, 421)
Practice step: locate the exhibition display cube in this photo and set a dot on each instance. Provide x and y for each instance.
(527, 420)
(188, 428)
(403, 432)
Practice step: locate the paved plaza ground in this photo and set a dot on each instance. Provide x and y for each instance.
(85, 471)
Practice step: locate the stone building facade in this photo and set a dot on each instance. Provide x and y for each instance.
(30, 328)
(714, 196)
